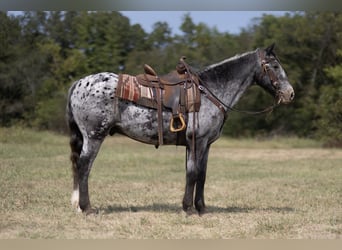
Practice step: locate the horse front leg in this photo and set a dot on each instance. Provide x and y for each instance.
(202, 172)
(89, 151)
(190, 166)
(196, 164)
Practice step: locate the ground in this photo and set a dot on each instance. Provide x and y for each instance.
(283, 188)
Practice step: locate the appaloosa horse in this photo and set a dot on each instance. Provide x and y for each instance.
(93, 112)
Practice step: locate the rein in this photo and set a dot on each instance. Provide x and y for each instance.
(225, 108)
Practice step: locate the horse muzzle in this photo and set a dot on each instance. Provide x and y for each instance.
(285, 94)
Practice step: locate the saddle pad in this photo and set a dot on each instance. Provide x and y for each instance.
(129, 89)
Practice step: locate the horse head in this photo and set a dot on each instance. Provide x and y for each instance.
(273, 78)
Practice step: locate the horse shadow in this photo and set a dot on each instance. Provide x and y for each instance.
(176, 208)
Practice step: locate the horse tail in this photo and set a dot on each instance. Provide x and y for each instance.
(76, 138)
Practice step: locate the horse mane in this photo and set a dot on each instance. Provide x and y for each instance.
(227, 67)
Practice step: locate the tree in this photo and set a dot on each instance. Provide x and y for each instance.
(189, 31)
(160, 37)
(104, 38)
(329, 123)
(11, 88)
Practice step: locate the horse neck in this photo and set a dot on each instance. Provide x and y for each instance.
(229, 79)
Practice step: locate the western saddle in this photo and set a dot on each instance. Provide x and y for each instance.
(177, 91)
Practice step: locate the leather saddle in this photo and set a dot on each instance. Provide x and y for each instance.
(172, 92)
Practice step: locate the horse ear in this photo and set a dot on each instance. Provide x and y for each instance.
(269, 49)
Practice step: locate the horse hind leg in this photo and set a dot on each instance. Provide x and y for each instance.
(76, 144)
(89, 152)
(83, 154)
(76, 147)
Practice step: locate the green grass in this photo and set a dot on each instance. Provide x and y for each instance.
(279, 189)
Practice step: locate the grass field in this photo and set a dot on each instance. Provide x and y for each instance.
(275, 189)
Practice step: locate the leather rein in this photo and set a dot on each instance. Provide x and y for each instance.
(266, 70)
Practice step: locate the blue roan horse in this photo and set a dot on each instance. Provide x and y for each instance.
(93, 112)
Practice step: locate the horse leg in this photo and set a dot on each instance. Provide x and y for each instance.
(190, 181)
(76, 143)
(193, 172)
(202, 171)
(89, 152)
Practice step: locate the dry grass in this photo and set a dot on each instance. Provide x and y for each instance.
(283, 188)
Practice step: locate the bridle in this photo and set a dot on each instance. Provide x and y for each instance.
(266, 70)
(265, 64)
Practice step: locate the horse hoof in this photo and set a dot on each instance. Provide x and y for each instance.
(202, 212)
(189, 211)
(91, 211)
(200, 207)
(78, 209)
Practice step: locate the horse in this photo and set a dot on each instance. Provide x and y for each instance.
(93, 112)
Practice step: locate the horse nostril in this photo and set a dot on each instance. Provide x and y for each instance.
(292, 96)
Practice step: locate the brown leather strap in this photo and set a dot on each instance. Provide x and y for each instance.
(213, 99)
(266, 70)
(160, 115)
(159, 98)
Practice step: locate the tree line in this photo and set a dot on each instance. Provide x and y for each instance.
(43, 52)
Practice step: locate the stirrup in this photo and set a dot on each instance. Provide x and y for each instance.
(183, 125)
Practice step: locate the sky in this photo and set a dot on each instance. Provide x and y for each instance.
(225, 21)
